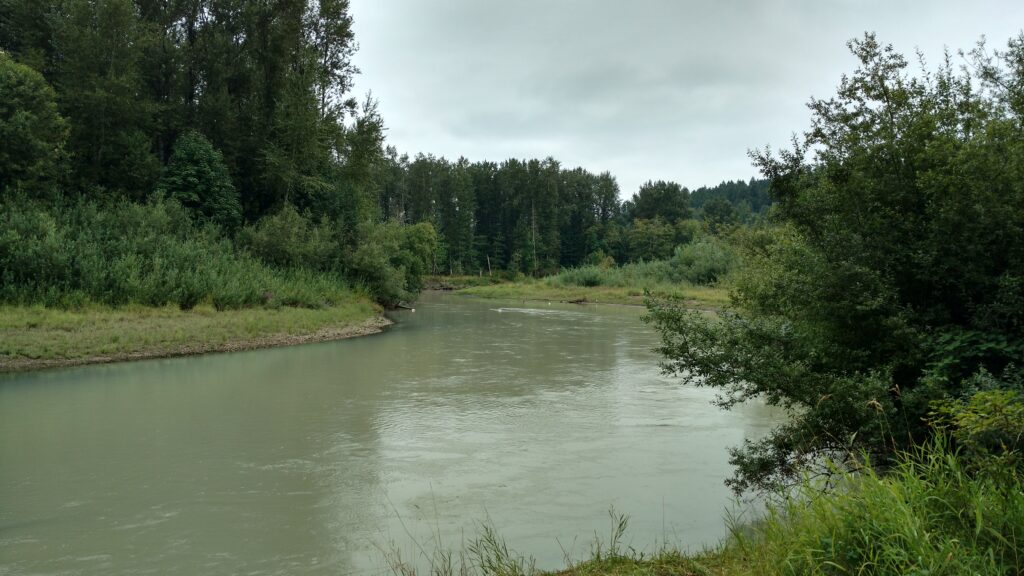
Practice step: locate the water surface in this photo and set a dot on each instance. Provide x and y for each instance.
(311, 459)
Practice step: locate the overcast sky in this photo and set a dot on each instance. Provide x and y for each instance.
(645, 89)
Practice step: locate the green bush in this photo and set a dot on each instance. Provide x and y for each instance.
(34, 255)
(705, 261)
(150, 254)
(894, 265)
(289, 239)
(197, 178)
(987, 422)
(583, 276)
(392, 259)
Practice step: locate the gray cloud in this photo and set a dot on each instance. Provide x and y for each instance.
(646, 89)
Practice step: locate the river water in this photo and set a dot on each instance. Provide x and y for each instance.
(313, 459)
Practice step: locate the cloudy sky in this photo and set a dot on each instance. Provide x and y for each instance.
(646, 89)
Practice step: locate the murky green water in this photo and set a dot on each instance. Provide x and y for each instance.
(310, 459)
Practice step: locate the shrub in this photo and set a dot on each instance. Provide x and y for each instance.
(987, 423)
(150, 254)
(392, 259)
(289, 239)
(705, 261)
(197, 178)
(894, 264)
(583, 276)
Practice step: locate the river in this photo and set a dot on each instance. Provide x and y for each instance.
(313, 459)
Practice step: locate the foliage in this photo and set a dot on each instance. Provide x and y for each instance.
(718, 215)
(149, 254)
(165, 97)
(95, 64)
(703, 262)
(32, 132)
(927, 516)
(987, 424)
(660, 199)
(132, 76)
(656, 239)
(197, 178)
(894, 273)
(393, 260)
(749, 199)
(241, 112)
(532, 216)
(289, 239)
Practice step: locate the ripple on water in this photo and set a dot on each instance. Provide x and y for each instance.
(309, 459)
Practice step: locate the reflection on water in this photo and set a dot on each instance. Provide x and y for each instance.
(308, 460)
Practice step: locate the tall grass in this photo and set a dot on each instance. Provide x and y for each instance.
(150, 254)
(926, 516)
(490, 555)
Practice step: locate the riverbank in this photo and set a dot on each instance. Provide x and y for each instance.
(701, 297)
(936, 511)
(33, 338)
(663, 563)
(557, 289)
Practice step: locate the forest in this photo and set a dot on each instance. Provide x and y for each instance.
(211, 151)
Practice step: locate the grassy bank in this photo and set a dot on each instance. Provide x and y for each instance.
(33, 337)
(929, 516)
(459, 282)
(697, 273)
(934, 513)
(86, 282)
(697, 296)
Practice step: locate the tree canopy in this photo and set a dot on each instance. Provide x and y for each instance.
(32, 131)
(197, 177)
(667, 200)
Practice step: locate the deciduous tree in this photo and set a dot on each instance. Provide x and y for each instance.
(896, 274)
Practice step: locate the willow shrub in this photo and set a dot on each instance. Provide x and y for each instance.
(151, 254)
(290, 239)
(702, 262)
(391, 259)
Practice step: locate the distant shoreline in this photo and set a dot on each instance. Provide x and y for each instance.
(711, 299)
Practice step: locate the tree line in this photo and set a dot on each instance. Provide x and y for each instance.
(536, 216)
(241, 113)
(265, 83)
